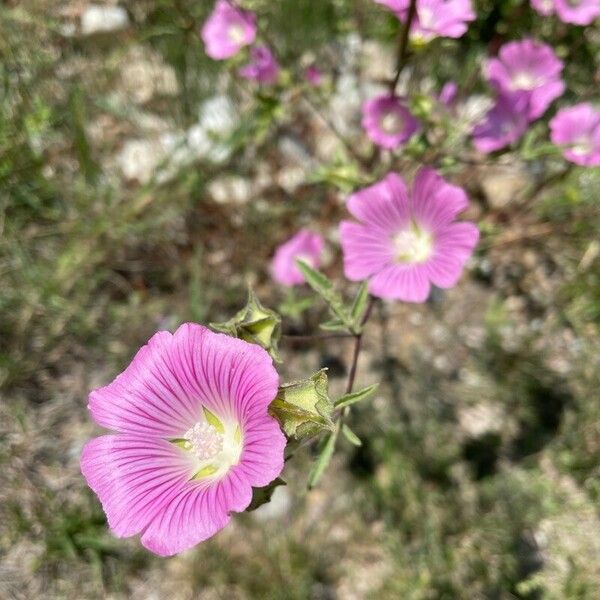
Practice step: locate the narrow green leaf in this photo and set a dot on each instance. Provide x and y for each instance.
(351, 436)
(354, 397)
(323, 459)
(333, 325)
(324, 287)
(360, 304)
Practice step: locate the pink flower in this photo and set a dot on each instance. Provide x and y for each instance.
(305, 245)
(579, 12)
(530, 67)
(313, 75)
(504, 124)
(192, 437)
(227, 30)
(448, 94)
(404, 243)
(577, 130)
(435, 18)
(387, 122)
(544, 7)
(262, 68)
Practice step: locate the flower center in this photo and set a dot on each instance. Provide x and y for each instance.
(236, 34)
(524, 81)
(392, 123)
(205, 441)
(216, 445)
(412, 245)
(582, 147)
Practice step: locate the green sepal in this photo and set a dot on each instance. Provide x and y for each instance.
(255, 324)
(303, 408)
(354, 397)
(359, 306)
(262, 495)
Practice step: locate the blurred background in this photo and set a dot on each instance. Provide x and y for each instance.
(142, 185)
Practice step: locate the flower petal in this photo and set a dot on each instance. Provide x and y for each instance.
(367, 250)
(401, 282)
(135, 478)
(384, 204)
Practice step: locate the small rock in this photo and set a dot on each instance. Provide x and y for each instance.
(103, 19)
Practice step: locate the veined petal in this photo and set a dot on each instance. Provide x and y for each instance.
(401, 282)
(366, 250)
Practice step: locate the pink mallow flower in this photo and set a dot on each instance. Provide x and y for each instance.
(263, 66)
(435, 18)
(578, 12)
(405, 242)
(530, 67)
(227, 30)
(192, 437)
(576, 129)
(305, 245)
(313, 75)
(448, 93)
(503, 125)
(387, 122)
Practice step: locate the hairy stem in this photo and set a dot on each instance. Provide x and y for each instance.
(358, 346)
(403, 45)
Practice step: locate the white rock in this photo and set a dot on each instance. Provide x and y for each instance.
(102, 19)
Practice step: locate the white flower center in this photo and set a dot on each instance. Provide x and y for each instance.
(525, 81)
(426, 18)
(582, 147)
(412, 245)
(205, 441)
(217, 445)
(236, 34)
(392, 123)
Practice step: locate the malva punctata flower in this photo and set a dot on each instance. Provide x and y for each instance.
(577, 12)
(405, 242)
(262, 68)
(305, 245)
(528, 67)
(504, 124)
(192, 437)
(387, 122)
(434, 18)
(227, 30)
(576, 130)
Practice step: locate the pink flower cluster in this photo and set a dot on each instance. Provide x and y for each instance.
(434, 18)
(527, 77)
(577, 12)
(227, 30)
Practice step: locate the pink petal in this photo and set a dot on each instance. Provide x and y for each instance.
(367, 250)
(384, 205)
(197, 512)
(135, 477)
(401, 282)
(436, 202)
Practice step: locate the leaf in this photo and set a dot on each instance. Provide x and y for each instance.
(333, 325)
(354, 397)
(360, 304)
(324, 287)
(323, 459)
(351, 436)
(262, 495)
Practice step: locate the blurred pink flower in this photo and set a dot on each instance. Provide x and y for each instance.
(387, 122)
(262, 68)
(504, 124)
(530, 67)
(313, 75)
(305, 245)
(404, 243)
(193, 437)
(543, 7)
(578, 12)
(448, 93)
(227, 30)
(443, 18)
(576, 129)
